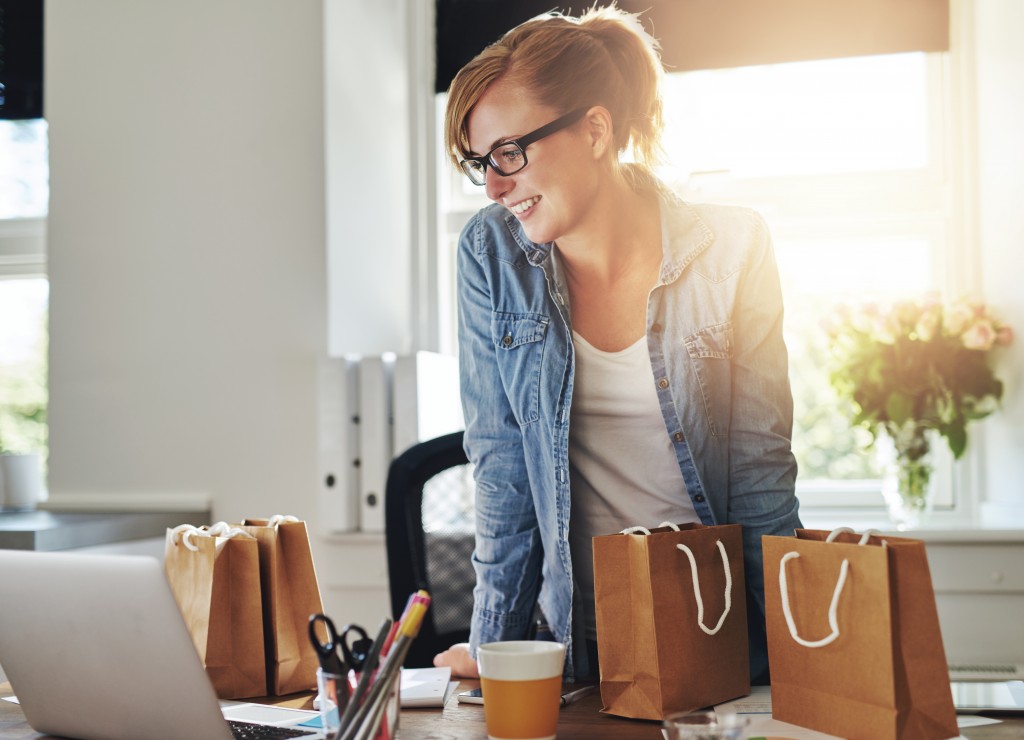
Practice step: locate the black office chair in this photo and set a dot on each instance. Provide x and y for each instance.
(428, 513)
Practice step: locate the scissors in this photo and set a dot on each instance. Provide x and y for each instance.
(352, 655)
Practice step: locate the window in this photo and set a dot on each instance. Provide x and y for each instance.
(846, 160)
(24, 169)
(849, 161)
(24, 288)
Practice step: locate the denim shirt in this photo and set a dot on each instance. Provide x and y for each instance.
(714, 333)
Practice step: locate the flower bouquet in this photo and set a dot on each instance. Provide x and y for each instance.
(915, 369)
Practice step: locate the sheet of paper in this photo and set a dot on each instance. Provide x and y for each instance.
(758, 709)
(426, 687)
(264, 714)
(971, 720)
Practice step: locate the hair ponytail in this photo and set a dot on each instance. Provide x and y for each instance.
(636, 99)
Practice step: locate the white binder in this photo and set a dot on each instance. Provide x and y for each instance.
(427, 403)
(338, 444)
(375, 383)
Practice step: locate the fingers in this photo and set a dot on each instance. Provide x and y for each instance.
(460, 661)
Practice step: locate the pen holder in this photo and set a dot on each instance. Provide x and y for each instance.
(329, 687)
(332, 687)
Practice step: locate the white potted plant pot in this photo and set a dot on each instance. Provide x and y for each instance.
(20, 481)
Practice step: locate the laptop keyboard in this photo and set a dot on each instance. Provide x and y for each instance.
(250, 731)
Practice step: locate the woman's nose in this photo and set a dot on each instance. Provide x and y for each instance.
(495, 185)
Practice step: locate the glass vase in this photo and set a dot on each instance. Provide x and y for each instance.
(907, 486)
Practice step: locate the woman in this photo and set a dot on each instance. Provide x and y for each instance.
(621, 351)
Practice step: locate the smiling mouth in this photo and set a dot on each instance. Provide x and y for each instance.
(524, 205)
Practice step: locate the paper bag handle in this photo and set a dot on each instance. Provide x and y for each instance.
(645, 530)
(863, 538)
(280, 519)
(696, 588)
(221, 529)
(832, 609)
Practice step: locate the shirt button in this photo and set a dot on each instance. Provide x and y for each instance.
(656, 328)
(663, 383)
(678, 436)
(506, 340)
(699, 498)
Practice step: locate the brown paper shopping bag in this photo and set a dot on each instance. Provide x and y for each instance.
(671, 619)
(853, 637)
(215, 577)
(290, 596)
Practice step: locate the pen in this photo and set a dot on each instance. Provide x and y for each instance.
(572, 697)
(420, 597)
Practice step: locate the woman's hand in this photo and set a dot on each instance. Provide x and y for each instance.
(461, 662)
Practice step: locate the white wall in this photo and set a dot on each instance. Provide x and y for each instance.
(999, 25)
(186, 249)
(369, 178)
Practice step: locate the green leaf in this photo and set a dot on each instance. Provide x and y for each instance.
(899, 407)
(956, 435)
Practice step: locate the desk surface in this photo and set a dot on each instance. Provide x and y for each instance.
(580, 721)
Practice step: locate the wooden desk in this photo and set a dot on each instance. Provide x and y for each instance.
(580, 721)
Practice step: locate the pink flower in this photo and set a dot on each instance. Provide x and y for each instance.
(928, 323)
(957, 319)
(867, 319)
(1004, 336)
(980, 335)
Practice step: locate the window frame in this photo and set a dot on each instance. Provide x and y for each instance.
(23, 247)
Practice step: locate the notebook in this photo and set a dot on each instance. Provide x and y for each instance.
(94, 647)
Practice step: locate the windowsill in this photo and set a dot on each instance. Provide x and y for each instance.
(939, 526)
(64, 530)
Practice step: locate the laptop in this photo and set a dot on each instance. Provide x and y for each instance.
(94, 647)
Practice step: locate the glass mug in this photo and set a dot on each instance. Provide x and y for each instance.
(522, 687)
(704, 726)
(331, 686)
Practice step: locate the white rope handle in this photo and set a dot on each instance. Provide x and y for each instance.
(863, 538)
(634, 530)
(833, 608)
(185, 532)
(696, 588)
(223, 529)
(280, 519)
(645, 530)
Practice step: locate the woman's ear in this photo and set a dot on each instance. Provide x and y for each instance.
(598, 126)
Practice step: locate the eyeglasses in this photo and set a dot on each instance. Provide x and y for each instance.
(510, 157)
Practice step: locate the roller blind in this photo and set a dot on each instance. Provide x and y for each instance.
(711, 34)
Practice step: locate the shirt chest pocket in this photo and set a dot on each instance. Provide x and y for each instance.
(710, 351)
(519, 347)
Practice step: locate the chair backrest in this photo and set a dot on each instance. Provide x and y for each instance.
(428, 509)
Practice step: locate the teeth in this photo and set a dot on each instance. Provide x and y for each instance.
(522, 206)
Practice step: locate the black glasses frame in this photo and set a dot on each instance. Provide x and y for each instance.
(477, 174)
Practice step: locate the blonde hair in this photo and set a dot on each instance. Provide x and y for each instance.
(604, 57)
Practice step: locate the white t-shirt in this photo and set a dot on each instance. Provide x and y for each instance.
(622, 465)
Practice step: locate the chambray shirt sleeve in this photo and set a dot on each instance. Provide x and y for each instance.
(507, 556)
(762, 474)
